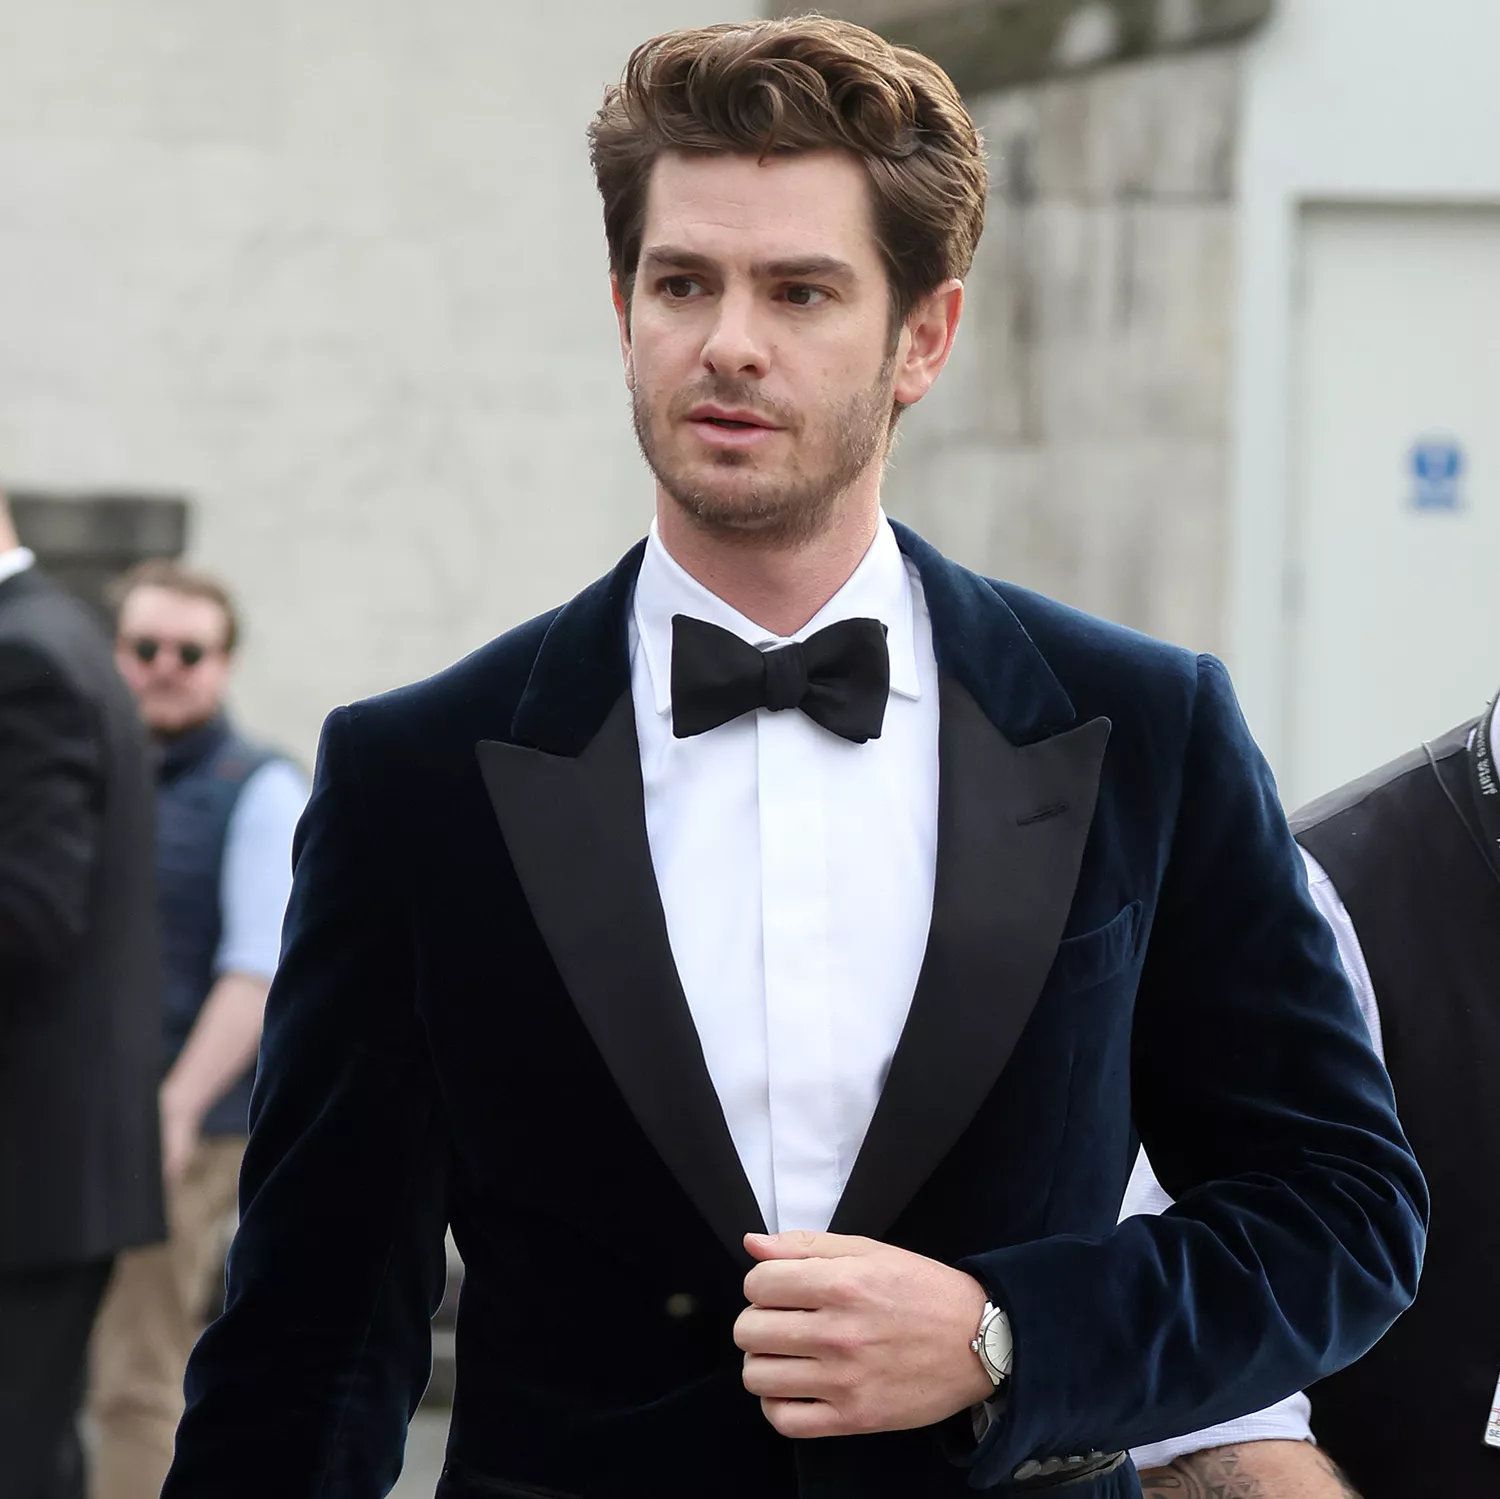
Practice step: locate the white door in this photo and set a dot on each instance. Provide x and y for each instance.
(1395, 593)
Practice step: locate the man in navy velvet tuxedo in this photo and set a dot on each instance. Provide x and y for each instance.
(768, 961)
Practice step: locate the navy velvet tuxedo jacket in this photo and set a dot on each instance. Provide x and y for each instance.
(477, 1021)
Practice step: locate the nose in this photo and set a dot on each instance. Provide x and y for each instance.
(735, 346)
(163, 669)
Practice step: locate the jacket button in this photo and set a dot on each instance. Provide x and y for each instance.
(680, 1305)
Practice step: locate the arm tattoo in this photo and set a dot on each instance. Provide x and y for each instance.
(1170, 1483)
(1346, 1489)
(1219, 1473)
(1214, 1474)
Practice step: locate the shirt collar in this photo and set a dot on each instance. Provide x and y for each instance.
(16, 560)
(879, 588)
(181, 752)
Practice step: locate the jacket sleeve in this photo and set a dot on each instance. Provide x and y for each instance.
(306, 1383)
(1289, 1419)
(1298, 1225)
(50, 801)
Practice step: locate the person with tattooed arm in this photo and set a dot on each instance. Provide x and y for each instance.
(1405, 865)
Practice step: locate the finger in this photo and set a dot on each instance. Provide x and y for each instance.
(805, 1418)
(757, 1330)
(771, 1376)
(790, 1285)
(803, 1244)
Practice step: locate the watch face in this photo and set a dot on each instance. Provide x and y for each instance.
(998, 1349)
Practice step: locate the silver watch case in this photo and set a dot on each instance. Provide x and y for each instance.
(993, 1344)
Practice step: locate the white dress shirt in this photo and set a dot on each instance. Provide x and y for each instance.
(796, 873)
(1289, 1420)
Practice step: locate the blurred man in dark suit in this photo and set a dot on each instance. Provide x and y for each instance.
(80, 1010)
(226, 809)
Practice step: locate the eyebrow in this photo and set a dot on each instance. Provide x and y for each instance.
(793, 268)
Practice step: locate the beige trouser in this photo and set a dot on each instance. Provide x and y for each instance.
(152, 1314)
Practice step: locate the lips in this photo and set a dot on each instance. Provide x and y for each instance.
(730, 419)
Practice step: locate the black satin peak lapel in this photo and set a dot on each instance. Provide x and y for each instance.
(575, 827)
(1012, 823)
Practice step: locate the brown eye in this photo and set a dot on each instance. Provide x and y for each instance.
(805, 296)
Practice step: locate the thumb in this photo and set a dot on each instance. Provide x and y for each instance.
(804, 1244)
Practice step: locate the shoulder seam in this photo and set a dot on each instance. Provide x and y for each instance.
(1322, 810)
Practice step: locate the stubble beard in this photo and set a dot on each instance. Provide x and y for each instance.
(799, 507)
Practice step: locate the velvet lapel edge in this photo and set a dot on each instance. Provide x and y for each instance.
(575, 829)
(582, 666)
(1012, 825)
(979, 641)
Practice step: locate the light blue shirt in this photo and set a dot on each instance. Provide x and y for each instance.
(16, 560)
(256, 876)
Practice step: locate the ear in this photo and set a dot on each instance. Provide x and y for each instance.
(622, 317)
(926, 341)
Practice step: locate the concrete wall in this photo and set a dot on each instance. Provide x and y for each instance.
(994, 44)
(334, 269)
(1345, 101)
(1077, 442)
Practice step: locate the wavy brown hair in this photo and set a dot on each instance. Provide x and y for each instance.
(809, 83)
(174, 577)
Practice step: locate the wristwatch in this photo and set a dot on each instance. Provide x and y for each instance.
(993, 1345)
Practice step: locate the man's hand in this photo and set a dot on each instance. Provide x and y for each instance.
(846, 1335)
(179, 1136)
(219, 1048)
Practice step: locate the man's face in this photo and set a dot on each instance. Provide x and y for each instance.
(182, 684)
(757, 342)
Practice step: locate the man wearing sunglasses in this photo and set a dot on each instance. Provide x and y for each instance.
(226, 811)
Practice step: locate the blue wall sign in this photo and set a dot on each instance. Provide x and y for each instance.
(1437, 466)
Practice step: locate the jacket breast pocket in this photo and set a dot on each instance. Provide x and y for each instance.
(1092, 957)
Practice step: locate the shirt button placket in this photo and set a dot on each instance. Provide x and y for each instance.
(796, 924)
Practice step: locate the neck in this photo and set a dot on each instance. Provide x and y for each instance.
(778, 586)
(9, 541)
(187, 733)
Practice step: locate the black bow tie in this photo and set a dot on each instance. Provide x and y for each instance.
(840, 677)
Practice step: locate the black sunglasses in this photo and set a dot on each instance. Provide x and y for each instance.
(189, 652)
